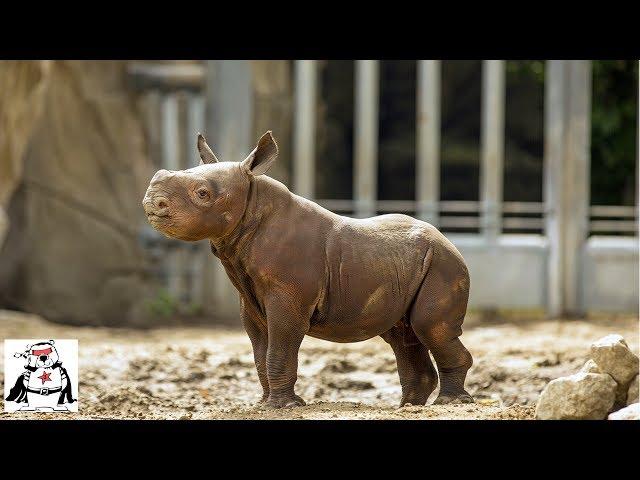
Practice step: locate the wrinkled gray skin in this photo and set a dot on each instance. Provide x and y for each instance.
(303, 270)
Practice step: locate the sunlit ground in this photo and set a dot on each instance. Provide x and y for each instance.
(208, 373)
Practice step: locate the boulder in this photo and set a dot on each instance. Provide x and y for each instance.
(621, 390)
(591, 367)
(582, 396)
(4, 224)
(621, 397)
(632, 412)
(22, 89)
(632, 393)
(72, 253)
(613, 356)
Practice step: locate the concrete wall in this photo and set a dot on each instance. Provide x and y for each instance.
(610, 280)
(507, 274)
(512, 272)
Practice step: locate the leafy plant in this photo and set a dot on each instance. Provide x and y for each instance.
(163, 304)
(614, 132)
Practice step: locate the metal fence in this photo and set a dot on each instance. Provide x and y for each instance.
(565, 265)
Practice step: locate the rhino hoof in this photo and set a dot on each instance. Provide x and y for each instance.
(453, 399)
(285, 402)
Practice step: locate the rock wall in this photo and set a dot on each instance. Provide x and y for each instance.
(72, 254)
(22, 88)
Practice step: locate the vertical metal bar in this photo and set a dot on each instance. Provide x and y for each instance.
(554, 126)
(304, 128)
(492, 157)
(428, 144)
(169, 121)
(229, 122)
(202, 261)
(366, 137)
(152, 113)
(577, 180)
(567, 169)
(229, 111)
(170, 161)
(181, 119)
(195, 124)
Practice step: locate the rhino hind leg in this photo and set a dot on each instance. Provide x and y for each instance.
(418, 377)
(453, 361)
(436, 318)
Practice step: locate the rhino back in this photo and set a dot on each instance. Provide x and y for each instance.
(375, 267)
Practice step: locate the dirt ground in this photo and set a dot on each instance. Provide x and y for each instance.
(208, 373)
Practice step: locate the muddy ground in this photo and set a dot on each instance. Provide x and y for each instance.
(208, 373)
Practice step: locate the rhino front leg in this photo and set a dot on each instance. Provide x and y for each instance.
(259, 340)
(286, 329)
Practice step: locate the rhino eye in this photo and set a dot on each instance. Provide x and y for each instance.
(203, 193)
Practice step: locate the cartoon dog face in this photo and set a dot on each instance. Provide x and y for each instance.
(42, 354)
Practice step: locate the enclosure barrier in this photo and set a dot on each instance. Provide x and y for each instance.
(565, 265)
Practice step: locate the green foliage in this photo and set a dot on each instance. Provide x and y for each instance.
(523, 70)
(163, 305)
(194, 309)
(614, 132)
(524, 130)
(614, 104)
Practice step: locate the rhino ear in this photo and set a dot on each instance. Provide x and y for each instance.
(263, 156)
(206, 155)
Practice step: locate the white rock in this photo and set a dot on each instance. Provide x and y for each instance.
(632, 412)
(590, 367)
(621, 397)
(621, 390)
(632, 395)
(583, 396)
(613, 356)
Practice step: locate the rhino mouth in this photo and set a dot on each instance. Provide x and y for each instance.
(154, 216)
(157, 220)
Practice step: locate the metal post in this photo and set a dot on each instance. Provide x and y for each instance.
(366, 138)
(492, 157)
(202, 261)
(153, 117)
(195, 124)
(567, 167)
(229, 108)
(577, 181)
(171, 161)
(554, 123)
(428, 145)
(170, 134)
(304, 128)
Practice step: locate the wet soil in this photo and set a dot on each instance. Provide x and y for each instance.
(208, 373)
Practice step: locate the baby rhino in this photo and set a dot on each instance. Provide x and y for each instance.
(303, 270)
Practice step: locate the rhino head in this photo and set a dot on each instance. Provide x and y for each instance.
(207, 201)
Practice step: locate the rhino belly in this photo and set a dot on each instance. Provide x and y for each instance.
(361, 311)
